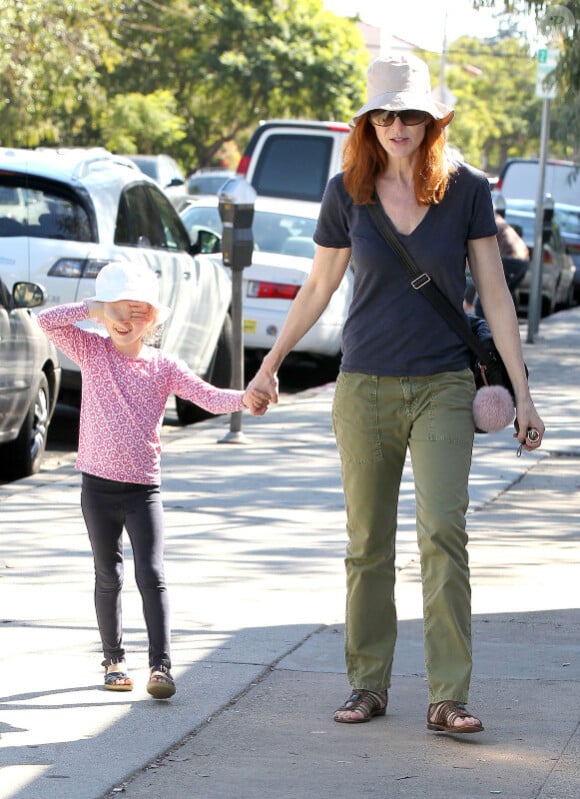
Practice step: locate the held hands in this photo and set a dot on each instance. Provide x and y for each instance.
(256, 401)
(262, 389)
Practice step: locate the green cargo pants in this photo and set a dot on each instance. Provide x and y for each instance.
(375, 420)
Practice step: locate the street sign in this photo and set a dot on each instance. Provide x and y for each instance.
(547, 60)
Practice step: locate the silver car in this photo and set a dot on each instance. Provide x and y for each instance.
(29, 382)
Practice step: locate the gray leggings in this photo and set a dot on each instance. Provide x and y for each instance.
(109, 506)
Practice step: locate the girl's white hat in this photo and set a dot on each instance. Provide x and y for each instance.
(130, 281)
(398, 82)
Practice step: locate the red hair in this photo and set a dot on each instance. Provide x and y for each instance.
(364, 158)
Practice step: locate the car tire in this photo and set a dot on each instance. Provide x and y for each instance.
(23, 456)
(219, 375)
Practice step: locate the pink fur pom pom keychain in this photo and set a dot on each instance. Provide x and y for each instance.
(493, 409)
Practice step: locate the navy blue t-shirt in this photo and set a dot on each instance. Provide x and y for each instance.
(392, 329)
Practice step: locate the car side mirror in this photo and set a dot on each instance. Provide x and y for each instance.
(28, 295)
(207, 242)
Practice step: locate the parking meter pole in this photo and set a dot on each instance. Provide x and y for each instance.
(236, 208)
(535, 295)
(235, 434)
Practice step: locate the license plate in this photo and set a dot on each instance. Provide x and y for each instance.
(250, 325)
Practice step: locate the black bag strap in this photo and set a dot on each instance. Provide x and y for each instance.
(421, 281)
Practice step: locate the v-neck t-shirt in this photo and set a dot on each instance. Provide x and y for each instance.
(391, 328)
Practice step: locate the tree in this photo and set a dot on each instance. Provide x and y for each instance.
(230, 63)
(493, 83)
(561, 21)
(50, 56)
(142, 123)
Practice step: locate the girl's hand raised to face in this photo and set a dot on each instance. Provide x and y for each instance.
(128, 311)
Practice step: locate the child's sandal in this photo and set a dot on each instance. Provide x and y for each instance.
(161, 684)
(118, 681)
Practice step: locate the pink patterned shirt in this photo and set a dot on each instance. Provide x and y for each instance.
(123, 399)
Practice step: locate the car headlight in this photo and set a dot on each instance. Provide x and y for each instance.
(77, 267)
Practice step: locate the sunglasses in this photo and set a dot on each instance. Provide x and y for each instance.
(409, 116)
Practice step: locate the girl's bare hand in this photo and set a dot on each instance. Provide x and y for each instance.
(128, 311)
(256, 401)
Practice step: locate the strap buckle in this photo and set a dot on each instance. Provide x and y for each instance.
(421, 281)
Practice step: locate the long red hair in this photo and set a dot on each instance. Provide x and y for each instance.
(364, 158)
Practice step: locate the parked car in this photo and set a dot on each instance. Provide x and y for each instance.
(519, 177)
(281, 262)
(568, 219)
(557, 266)
(29, 381)
(165, 171)
(208, 181)
(293, 158)
(81, 209)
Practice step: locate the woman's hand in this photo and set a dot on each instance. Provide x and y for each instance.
(256, 401)
(530, 428)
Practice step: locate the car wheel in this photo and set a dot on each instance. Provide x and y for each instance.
(219, 374)
(22, 457)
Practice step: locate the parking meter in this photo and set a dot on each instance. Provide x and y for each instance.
(236, 208)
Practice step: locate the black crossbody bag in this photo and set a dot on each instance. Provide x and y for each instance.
(486, 362)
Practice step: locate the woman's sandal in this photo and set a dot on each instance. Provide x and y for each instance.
(441, 717)
(367, 703)
(118, 681)
(161, 684)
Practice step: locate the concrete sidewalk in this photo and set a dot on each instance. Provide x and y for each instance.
(255, 542)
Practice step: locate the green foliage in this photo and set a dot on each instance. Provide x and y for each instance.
(232, 63)
(138, 123)
(195, 78)
(497, 112)
(50, 55)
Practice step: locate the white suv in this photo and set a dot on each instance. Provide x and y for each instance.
(64, 214)
(293, 158)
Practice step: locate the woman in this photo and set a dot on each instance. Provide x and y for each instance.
(405, 381)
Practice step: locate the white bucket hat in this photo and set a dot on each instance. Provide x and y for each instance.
(129, 281)
(399, 82)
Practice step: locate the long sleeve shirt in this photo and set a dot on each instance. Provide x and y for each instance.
(123, 399)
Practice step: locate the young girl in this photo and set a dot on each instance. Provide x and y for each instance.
(125, 387)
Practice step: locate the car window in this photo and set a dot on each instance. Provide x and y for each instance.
(569, 221)
(138, 224)
(198, 216)
(293, 166)
(6, 300)
(207, 184)
(41, 211)
(146, 218)
(175, 236)
(561, 181)
(284, 233)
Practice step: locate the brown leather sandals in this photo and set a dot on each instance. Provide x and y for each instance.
(367, 703)
(441, 717)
